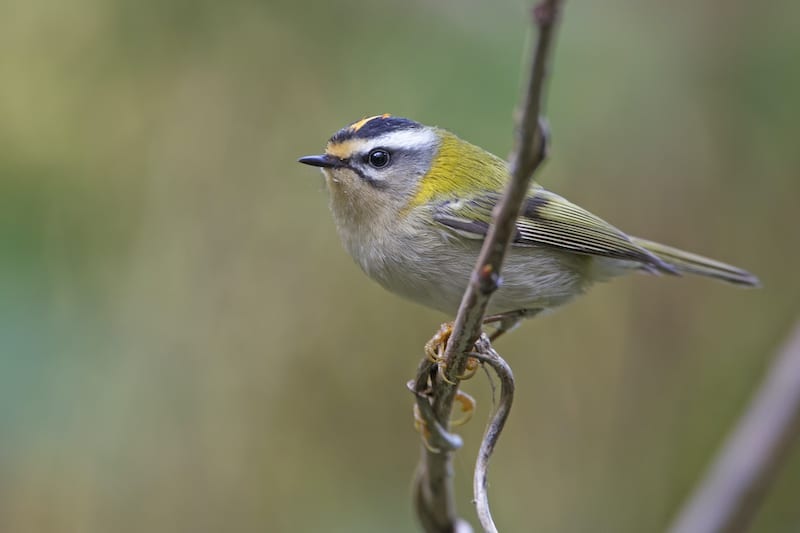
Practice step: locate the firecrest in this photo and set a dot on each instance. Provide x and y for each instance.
(413, 203)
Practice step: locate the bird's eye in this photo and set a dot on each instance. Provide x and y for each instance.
(378, 158)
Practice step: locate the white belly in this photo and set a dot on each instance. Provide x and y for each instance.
(434, 270)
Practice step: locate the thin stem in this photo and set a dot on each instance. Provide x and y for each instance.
(480, 480)
(728, 498)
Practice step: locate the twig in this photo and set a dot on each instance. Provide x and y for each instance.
(434, 491)
(728, 498)
(486, 354)
(527, 156)
(433, 496)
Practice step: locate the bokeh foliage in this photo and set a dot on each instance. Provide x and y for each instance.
(186, 347)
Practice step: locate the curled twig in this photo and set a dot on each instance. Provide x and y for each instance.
(486, 354)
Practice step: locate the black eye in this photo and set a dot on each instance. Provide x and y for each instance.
(378, 158)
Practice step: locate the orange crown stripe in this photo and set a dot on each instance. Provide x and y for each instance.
(360, 124)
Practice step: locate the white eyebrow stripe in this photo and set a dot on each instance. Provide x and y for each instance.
(414, 139)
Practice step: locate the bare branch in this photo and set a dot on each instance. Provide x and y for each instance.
(526, 158)
(433, 487)
(727, 499)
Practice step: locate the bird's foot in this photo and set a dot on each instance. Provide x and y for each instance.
(467, 405)
(435, 348)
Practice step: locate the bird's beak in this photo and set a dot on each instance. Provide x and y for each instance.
(324, 161)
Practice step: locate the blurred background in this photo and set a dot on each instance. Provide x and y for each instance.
(185, 346)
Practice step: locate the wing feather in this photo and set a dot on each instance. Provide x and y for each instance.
(547, 219)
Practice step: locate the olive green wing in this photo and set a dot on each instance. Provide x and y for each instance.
(548, 220)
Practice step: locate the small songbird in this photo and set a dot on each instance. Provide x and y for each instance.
(413, 203)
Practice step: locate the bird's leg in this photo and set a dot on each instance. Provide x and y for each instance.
(504, 322)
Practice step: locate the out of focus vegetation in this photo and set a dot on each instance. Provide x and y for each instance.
(186, 347)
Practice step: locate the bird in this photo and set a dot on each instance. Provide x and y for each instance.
(413, 203)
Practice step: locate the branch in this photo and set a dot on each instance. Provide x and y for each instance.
(433, 488)
(727, 499)
(527, 156)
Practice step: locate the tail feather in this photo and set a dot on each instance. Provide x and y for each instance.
(697, 264)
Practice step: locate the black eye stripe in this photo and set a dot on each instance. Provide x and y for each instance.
(377, 184)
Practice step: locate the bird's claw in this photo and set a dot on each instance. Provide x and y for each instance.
(467, 404)
(434, 350)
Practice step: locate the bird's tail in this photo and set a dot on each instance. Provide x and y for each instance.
(686, 262)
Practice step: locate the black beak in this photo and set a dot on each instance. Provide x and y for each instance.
(324, 161)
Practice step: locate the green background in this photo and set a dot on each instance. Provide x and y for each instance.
(185, 346)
